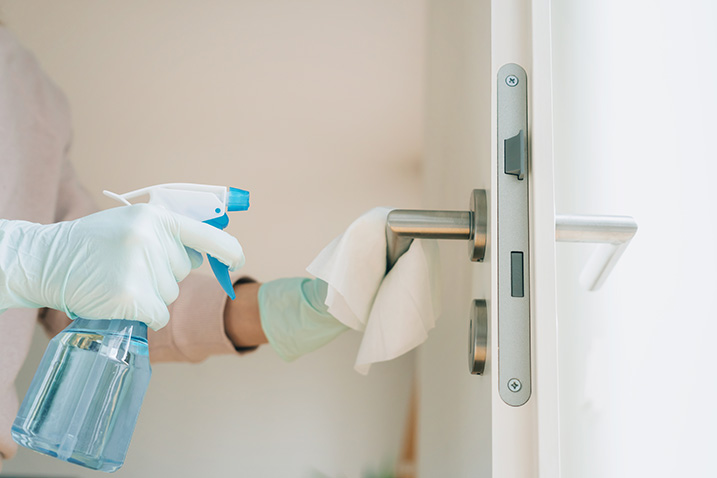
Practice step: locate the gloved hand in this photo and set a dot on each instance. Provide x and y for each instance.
(122, 263)
(294, 317)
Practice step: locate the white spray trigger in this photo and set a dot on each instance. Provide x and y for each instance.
(197, 201)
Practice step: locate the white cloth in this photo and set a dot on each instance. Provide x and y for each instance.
(394, 311)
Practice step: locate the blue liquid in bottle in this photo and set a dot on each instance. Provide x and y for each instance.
(83, 402)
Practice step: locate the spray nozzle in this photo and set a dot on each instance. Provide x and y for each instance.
(237, 200)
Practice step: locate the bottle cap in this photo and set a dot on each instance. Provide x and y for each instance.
(237, 200)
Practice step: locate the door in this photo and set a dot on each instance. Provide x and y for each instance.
(475, 425)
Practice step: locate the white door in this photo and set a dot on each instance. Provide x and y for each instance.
(638, 371)
(503, 423)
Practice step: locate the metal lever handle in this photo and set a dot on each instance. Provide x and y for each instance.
(403, 225)
(614, 233)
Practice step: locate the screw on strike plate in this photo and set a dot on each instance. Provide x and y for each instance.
(514, 385)
(512, 81)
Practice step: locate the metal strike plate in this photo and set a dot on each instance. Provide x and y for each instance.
(513, 241)
(478, 338)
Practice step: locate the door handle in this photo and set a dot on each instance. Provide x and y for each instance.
(404, 225)
(613, 233)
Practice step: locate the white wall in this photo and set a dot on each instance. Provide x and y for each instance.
(316, 108)
(455, 407)
(634, 134)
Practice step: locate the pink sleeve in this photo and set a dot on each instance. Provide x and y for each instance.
(196, 327)
(73, 200)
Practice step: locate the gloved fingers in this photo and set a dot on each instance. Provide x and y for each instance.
(166, 281)
(210, 240)
(154, 313)
(179, 261)
(149, 287)
(195, 257)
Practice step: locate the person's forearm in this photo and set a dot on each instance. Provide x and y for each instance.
(242, 320)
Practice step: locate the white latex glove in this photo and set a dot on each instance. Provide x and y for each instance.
(294, 317)
(122, 263)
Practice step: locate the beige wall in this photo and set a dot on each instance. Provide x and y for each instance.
(316, 108)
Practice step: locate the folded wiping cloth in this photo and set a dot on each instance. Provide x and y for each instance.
(394, 311)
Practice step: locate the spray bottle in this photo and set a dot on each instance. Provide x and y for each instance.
(83, 402)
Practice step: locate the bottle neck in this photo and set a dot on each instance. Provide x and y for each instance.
(132, 328)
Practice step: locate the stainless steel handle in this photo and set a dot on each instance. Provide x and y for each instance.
(614, 233)
(404, 225)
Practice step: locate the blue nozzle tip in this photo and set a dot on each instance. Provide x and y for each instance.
(237, 200)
